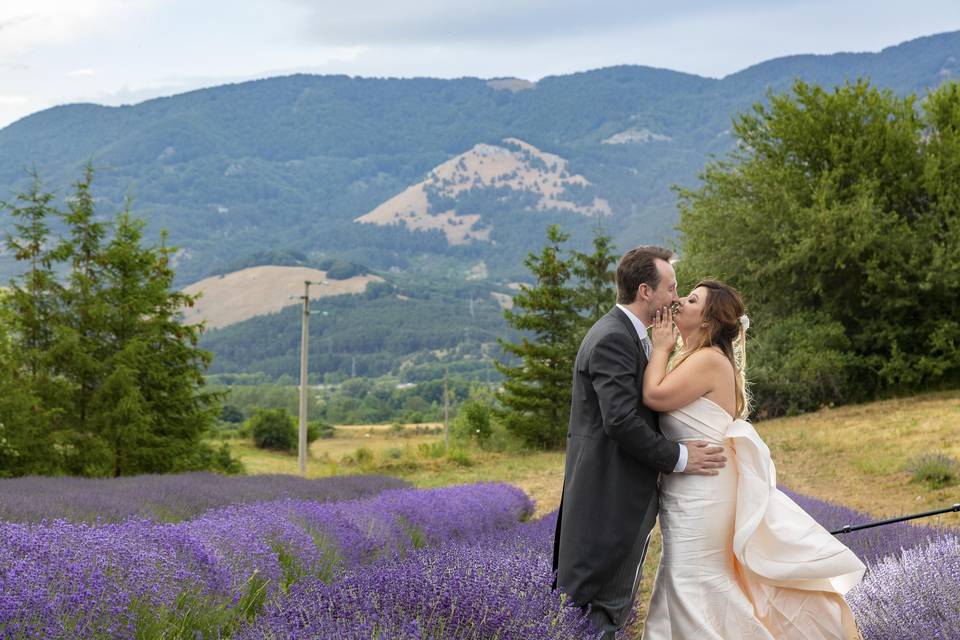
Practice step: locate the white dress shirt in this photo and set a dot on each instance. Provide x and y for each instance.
(645, 343)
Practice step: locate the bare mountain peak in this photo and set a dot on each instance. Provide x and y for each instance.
(513, 165)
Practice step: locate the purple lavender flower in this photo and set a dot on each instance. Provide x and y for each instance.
(497, 586)
(167, 498)
(913, 594)
(66, 580)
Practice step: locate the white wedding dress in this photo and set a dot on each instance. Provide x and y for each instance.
(741, 561)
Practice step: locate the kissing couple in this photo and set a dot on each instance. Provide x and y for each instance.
(649, 437)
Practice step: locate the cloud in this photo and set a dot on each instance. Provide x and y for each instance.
(13, 100)
(28, 24)
(381, 22)
(80, 73)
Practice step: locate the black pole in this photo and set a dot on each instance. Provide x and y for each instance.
(848, 528)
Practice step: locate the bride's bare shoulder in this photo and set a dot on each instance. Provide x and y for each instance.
(708, 356)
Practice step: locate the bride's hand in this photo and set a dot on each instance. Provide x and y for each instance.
(663, 336)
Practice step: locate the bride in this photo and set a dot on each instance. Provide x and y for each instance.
(740, 559)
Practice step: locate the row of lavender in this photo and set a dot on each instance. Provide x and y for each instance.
(212, 573)
(498, 587)
(448, 563)
(167, 498)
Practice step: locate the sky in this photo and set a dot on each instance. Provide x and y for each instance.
(116, 52)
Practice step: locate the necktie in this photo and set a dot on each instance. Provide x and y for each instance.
(645, 343)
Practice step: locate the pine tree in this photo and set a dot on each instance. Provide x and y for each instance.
(596, 291)
(34, 303)
(24, 445)
(80, 351)
(535, 397)
(166, 411)
(98, 376)
(29, 408)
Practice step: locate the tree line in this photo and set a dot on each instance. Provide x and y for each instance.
(838, 218)
(98, 376)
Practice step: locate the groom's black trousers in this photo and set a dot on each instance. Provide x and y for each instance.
(612, 605)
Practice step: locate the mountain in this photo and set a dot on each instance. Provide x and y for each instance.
(293, 162)
(420, 180)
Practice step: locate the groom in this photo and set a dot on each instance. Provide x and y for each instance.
(615, 450)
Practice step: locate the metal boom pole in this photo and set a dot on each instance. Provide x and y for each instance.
(914, 516)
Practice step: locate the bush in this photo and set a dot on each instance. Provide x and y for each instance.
(799, 363)
(231, 414)
(319, 429)
(273, 429)
(363, 456)
(935, 470)
(460, 458)
(431, 450)
(473, 422)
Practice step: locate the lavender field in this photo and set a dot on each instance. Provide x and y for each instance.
(196, 556)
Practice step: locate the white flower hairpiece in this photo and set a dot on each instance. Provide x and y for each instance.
(745, 321)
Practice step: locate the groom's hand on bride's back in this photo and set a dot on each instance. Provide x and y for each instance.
(704, 458)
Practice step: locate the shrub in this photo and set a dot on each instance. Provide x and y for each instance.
(273, 429)
(231, 414)
(363, 456)
(319, 429)
(431, 450)
(473, 422)
(799, 364)
(460, 458)
(936, 470)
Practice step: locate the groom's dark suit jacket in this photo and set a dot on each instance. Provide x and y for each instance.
(614, 453)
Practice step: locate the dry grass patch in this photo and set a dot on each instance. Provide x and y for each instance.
(857, 455)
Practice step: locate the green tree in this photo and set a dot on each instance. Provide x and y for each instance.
(273, 429)
(596, 291)
(79, 350)
(149, 339)
(842, 202)
(112, 380)
(535, 396)
(29, 407)
(25, 446)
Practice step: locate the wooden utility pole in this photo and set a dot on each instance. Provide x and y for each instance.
(446, 412)
(304, 338)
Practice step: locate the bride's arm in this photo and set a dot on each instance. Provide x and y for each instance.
(694, 377)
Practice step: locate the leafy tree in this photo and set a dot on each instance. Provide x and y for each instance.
(536, 393)
(473, 421)
(841, 201)
(232, 414)
(273, 429)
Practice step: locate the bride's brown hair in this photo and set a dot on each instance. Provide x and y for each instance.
(722, 327)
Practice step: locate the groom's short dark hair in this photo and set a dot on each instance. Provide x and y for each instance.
(638, 266)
